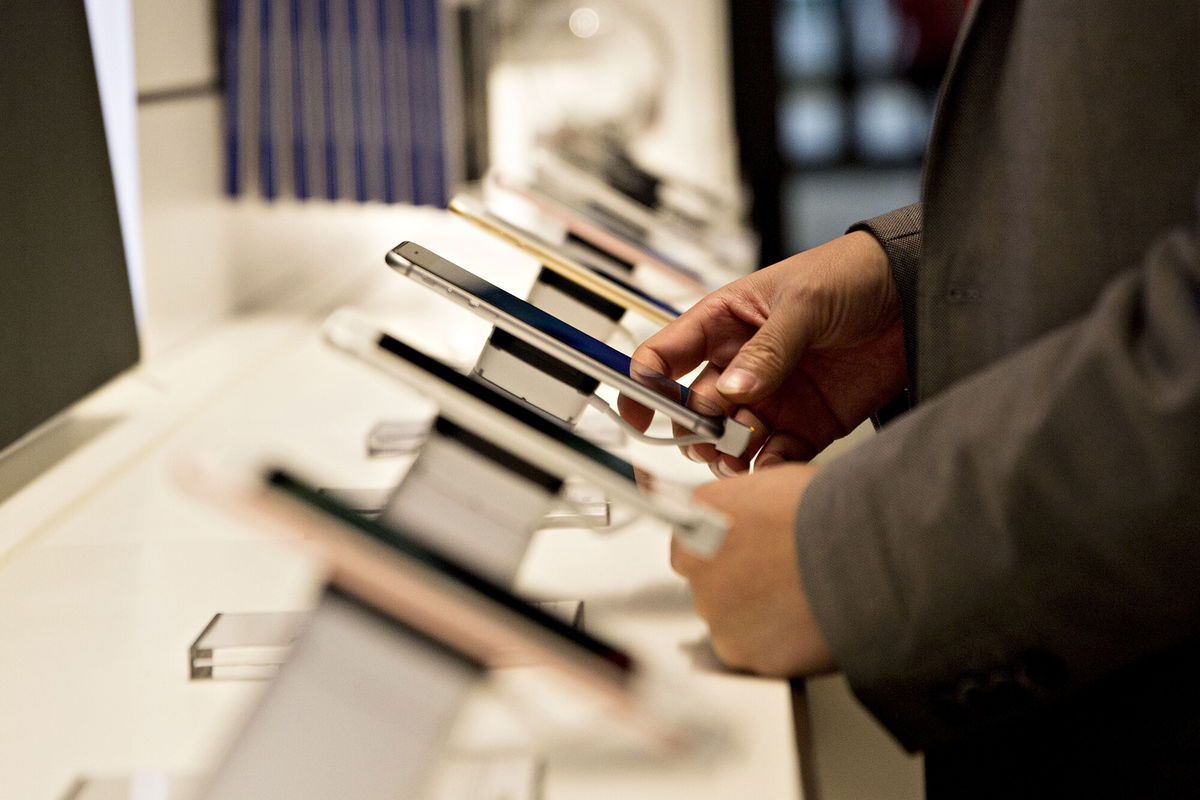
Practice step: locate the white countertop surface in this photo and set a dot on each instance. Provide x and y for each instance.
(109, 570)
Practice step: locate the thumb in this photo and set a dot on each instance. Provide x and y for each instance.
(767, 358)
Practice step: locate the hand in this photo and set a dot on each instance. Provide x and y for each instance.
(804, 350)
(750, 592)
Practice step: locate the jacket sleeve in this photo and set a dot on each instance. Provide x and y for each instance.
(899, 232)
(1029, 531)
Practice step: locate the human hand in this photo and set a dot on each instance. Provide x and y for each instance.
(803, 350)
(750, 592)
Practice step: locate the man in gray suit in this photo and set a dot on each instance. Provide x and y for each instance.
(1007, 572)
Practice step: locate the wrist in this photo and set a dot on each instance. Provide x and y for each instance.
(871, 251)
(878, 266)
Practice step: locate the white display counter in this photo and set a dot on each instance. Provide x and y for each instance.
(109, 570)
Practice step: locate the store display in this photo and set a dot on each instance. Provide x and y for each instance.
(590, 274)
(508, 424)
(476, 502)
(592, 359)
(244, 646)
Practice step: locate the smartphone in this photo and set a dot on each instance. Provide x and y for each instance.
(566, 343)
(606, 285)
(513, 426)
(604, 229)
(404, 579)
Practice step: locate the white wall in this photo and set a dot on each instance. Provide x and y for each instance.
(696, 139)
(543, 85)
(208, 255)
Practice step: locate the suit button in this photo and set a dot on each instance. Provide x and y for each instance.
(982, 697)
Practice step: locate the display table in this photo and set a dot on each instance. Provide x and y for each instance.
(109, 569)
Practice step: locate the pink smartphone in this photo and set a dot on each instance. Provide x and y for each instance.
(406, 579)
(603, 229)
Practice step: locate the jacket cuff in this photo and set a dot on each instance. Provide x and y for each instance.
(899, 232)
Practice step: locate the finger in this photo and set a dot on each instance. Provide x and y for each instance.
(634, 412)
(782, 447)
(645, 479)
(769, 356)
(705, 399)
(683, 561)
(703, 396)
(707, 331)
(658, 369)
(640, 417)
(678, 348)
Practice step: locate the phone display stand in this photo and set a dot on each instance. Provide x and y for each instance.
(396, 437)
(469, 776)
(244, 646)
(570, 302)
(251, 646)
(361, 710)
(578, 505)
(367, 502)
(569, 611)
(473, 500)
(583, 250)
(487, 777)
(140, 786)
(534, 377)
(526, 372)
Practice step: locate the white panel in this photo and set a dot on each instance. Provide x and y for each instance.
(110, 25)
(695, 138)
(187, 220)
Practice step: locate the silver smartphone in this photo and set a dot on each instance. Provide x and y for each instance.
(567, 343)
(511, 425)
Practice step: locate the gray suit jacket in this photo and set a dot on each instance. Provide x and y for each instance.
(1030, 531)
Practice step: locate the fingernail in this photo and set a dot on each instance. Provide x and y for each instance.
(736, 381)
(725, 470)
(692, 455)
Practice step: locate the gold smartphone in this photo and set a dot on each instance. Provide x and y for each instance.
(608, 286)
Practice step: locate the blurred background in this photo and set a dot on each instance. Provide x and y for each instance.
(308, 118)
(853, 97)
